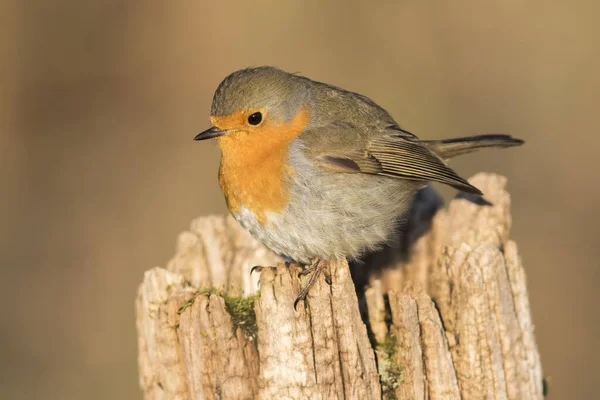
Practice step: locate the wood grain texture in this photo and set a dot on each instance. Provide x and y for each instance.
(448, 318)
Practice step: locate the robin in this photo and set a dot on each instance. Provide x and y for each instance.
(316, 172)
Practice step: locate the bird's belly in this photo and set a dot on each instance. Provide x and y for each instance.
(332, 220)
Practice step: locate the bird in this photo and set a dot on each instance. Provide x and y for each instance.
(318, 173)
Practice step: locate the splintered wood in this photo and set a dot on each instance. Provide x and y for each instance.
(450, 319)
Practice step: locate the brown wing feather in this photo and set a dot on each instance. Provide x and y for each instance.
(409, 159)
(397, 155)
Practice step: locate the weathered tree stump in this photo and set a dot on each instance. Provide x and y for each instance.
(444, 317)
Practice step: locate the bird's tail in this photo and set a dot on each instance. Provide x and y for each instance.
(449, 148)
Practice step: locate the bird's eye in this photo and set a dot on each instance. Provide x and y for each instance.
(255, 118)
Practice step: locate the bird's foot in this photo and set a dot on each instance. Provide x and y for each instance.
(307, 269)
(259, 268)
(316, 267)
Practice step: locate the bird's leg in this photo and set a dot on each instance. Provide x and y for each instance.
(314, 264)
(316, 267)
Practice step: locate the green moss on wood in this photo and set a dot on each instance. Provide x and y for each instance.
(242, 313)
(388, 366)
(241, 309)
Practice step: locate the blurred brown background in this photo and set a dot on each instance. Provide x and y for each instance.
(99, 102)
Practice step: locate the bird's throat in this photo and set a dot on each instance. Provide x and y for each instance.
(255, 167)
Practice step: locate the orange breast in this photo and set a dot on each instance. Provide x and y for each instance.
(255, 165)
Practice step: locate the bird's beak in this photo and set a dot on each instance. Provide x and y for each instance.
(210, 133)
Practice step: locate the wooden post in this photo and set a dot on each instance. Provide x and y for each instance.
(446, 318)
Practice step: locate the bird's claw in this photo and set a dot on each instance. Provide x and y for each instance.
(328, 277)
(259, 268)
(298, 299)
(305, 272)
(256, 268)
